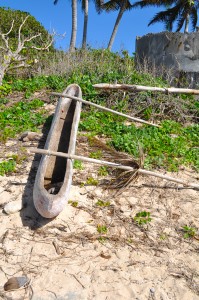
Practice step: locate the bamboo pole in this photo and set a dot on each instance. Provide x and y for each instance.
(139, 88)
(105, 109)
(114, 165)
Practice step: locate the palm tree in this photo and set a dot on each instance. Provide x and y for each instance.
(98, 5)
(85, 9)
(181, 11)
(74, 24)
(112, 5)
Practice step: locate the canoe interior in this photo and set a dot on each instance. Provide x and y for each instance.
(60, 141)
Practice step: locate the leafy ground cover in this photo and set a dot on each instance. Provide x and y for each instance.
(19, 117)
(169, 147)
(7, 166)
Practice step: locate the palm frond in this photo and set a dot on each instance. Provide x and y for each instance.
(120, 178)
(128, 5)
(142, 4)
(180, 23)
(157, 3)
(160, 17)
(178, 11)
(194, 17)
(111, 5)
(98, 5)
(196, 5)
(168, 17)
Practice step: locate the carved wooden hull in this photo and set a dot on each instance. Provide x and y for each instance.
(54, 175)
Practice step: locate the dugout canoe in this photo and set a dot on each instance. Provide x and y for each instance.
(54, 175)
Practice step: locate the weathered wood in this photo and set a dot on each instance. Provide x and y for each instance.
(106, 109)
(114, 165)
(140, 88)
(48, 200)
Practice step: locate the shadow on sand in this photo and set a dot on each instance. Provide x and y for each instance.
(29, 216)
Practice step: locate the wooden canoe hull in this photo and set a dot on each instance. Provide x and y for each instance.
(57, 171)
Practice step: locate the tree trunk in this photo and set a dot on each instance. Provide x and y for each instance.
(115, 29)
(85, 25)
(4, 67)
(1, 76)
(186, 29)
(74, 26)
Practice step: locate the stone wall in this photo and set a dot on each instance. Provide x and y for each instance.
(175, 51)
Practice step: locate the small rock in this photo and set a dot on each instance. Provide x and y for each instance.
(14, 283)
(10, 143)
(30, 136)
(49, 107)
(167, 231)
(13, 207)
(5, 197)
(173, 135)
(105, 255)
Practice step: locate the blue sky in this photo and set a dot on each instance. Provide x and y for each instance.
(58, 17)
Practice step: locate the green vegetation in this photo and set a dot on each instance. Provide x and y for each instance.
(168, 147)
(96, 155)
(31, 85)
(102, 203)
(21, 38)
(142, 218)
(7, 167)
(189, 232)
(85, 71)
(9, 164)
(103, 171)
(102, 229)
(163, 236)
(73, 203)
(19, 117)
(92, 181)
(78, 165)
(30, 28)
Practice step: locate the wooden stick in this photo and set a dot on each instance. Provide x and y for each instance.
(113, 165)
(139, 88)
(104, 108)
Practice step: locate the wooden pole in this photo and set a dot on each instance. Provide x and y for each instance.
(104, 108)
(140, 88)
(113, 165)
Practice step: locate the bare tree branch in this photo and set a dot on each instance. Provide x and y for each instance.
(22, 65)
(11, 59)
(9, 31)
(20, 27)
(43, 48)
(3, 36)
(3, 48)
(31, 38)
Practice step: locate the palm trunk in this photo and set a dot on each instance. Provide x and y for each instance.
(186, 29)
(74, 26)
(115, 29)
(85, 25)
